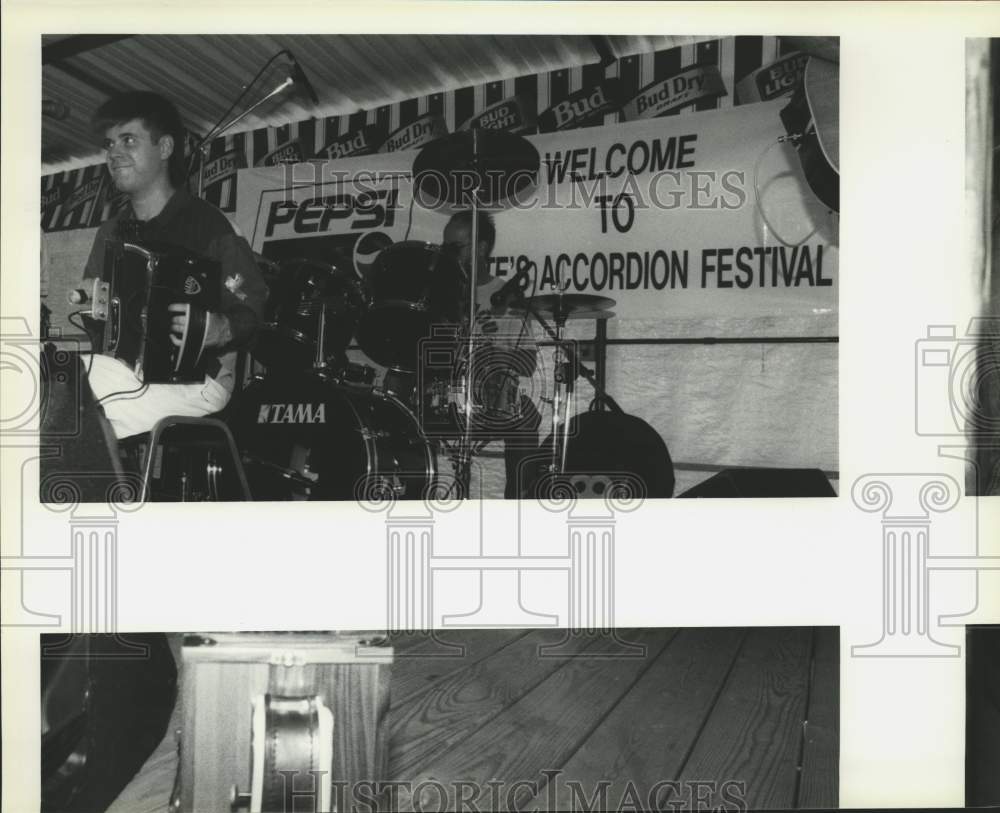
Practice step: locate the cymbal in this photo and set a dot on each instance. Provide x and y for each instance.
(502, 165)
(568, 306)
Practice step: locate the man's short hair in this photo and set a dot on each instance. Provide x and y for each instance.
(487, 229)
(158, 115)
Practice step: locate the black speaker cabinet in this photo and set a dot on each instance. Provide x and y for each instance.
(761, 482)
(79, 455)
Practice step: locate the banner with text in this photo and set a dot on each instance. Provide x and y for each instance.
(677, 217)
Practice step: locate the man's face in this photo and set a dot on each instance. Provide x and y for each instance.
(458, 237)
(136, 161)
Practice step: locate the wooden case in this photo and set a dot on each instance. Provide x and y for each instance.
(224, 673)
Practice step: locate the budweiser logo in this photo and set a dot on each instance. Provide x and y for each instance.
(580, 106)
(362, 141)
(292, 413)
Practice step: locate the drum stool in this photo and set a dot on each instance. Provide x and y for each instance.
(187, 459)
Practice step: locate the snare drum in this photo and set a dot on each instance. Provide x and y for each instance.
(307, 437)
(412, 287)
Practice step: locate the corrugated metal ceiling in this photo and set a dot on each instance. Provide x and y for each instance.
(203, 74)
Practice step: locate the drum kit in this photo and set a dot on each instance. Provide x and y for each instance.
(317, 426)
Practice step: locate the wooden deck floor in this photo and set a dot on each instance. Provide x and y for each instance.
(754, 711)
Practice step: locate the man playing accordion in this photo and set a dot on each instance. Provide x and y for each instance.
(144, 144)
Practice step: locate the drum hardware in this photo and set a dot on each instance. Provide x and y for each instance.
(353, 374)
(561, 307)
(478, 168)
(305, 477)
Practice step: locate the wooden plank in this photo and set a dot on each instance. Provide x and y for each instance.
(648, 735)
(820, 776)
(420, 665)
(539, 732)
(751, 740)
(431, 723)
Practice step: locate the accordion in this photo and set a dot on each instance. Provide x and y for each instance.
(133, 297)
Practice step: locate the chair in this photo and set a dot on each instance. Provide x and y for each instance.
(188, 460)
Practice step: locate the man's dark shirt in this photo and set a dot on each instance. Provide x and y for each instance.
(193, 224)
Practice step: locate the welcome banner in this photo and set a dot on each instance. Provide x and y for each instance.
(677, 217)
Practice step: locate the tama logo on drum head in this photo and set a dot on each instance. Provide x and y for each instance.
(292, 413)
(192, 286)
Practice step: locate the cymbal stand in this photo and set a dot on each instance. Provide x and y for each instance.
(564, 350)
(463, 463)
(564, 378)
(319, 361)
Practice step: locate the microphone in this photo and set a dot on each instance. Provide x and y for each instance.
(78, 296)
(511, 291)
(300, 79)
(54, 110)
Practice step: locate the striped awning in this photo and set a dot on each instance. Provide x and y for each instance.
(204, 74)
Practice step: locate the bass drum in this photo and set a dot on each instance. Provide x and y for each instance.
(308, 437)
(607, 451)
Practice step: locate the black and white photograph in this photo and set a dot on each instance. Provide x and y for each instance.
(473, 720)
(461, 266)
(534, 452)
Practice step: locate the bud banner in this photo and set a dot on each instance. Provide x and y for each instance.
(81, 207)
(779, 78)
(583, 106)
(363, 141)
(290, 153)
(225, 166)
(514, 115)
(679, 90)
(415, 134)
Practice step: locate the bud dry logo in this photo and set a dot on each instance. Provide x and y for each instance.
(290, 153)
(513, 115)
(84, 194)
(415, 134)
(684, 88)
(362, 141)
(224, 166)
(292, 413)
(777, 79)
(583, 106)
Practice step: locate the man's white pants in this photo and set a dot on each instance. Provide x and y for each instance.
(132, 409)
